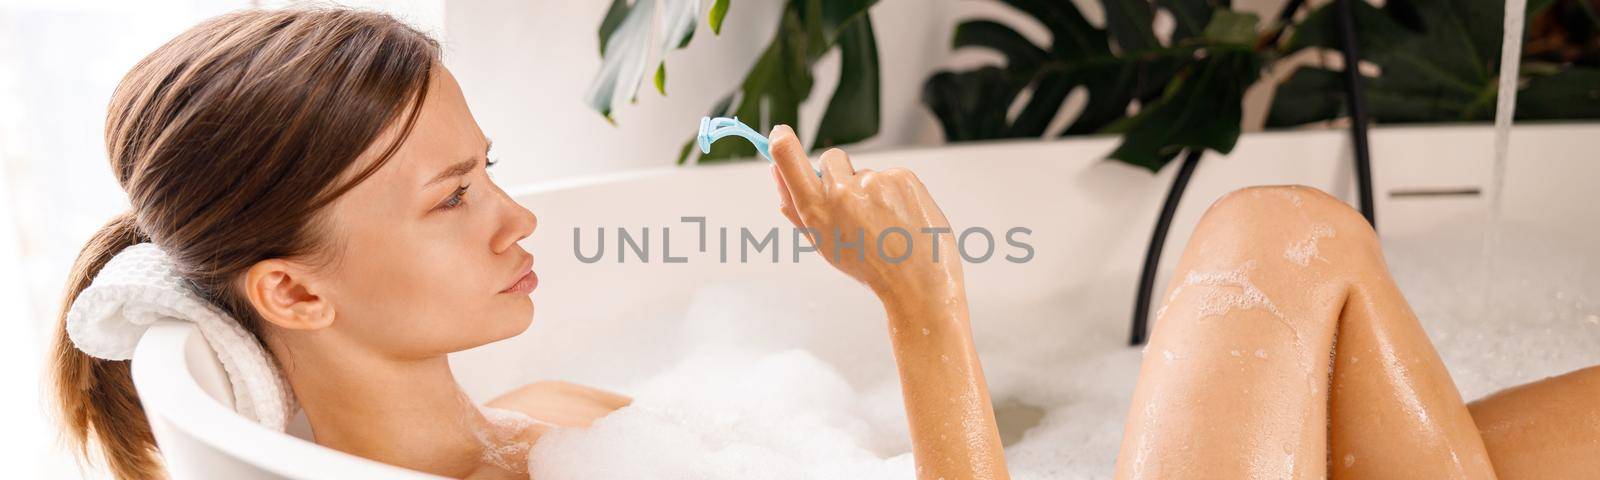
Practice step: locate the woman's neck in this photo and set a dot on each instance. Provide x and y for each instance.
(408, 413)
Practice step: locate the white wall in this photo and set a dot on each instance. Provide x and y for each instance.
(526, 64)
(59, 62)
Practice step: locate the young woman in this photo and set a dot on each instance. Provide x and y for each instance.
(1285, 350)
(316, 174)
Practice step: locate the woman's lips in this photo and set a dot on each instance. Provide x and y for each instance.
(524, 285)
(525, 282)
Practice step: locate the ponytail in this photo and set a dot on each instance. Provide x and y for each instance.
(229, 140)
(95, 397)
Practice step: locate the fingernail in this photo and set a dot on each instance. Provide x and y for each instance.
(781, 131)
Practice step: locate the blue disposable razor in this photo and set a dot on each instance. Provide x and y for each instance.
(713, 129)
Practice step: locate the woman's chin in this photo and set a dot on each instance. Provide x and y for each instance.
(509, 318)
(520, 320)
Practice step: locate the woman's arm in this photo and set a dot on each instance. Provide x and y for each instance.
(953, 432)
(916, 274)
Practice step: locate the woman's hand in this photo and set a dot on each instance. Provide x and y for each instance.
(881, 228)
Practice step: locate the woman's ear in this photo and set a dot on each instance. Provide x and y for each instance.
(285, 295)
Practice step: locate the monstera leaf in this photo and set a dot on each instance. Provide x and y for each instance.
(626, 42)
(1439, 62)
(1189, 91)
(774, 87)
(781, 78)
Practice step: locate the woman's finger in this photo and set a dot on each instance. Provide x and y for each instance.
(786, 199)
(836, 168)
(793, 165)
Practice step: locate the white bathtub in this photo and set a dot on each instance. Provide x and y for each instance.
(614, 324)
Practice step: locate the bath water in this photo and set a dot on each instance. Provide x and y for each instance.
(772, 390)
(1504, 112)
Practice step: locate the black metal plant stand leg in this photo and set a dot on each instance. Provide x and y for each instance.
(1152, 255)
(1356, 98)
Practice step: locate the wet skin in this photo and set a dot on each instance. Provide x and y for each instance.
(1285, 350)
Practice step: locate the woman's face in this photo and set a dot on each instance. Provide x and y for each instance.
(427, 246)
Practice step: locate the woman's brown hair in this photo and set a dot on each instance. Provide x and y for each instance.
(229, 140)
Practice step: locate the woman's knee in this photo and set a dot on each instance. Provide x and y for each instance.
(1286, 206)
(1296, 224)
(1294, 250)
(1284, 201)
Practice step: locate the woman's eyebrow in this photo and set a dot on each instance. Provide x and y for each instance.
(460, 168)
(463, 167)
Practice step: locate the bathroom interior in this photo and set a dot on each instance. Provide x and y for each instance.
(1480, 181)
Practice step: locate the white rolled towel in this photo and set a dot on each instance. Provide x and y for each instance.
(140, 286)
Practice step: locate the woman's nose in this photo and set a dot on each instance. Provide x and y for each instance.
(516, 224)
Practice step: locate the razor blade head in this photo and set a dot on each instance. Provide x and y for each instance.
(705, 135)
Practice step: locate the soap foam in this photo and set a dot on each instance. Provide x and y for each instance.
(1220, 301)
(502, 439)
(1301, 253)
(810, 392)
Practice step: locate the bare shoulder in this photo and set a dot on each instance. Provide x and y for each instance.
(562, 403)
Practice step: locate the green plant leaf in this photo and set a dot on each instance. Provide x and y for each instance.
(1228, 26)
(678, 29)
(1189, 16)
(771, 93)
(626, 42)
(686, 150)
(1112, 88)
(1445, 72)
(1129, 23)
(852, 113)
(781, 78)
(970, 105)
(678, 19)
(719, 11)
(1377, 31)
(838, 14)
(623, 66)
(1021, 54)
(661, 79)
(1569, 93)
(1071, 35)
(1405, 13)
(1309, 95)
(974, 104)
(1202, 110)
(614, 15)
(1574, 93)
(1076, 46)
(1050, 90)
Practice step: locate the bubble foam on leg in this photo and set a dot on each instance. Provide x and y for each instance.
(1301, 253)
(1219, 301)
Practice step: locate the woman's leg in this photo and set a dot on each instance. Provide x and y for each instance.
(1545, 429)
(1284, 350)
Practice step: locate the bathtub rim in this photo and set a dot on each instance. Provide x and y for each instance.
(168, 390)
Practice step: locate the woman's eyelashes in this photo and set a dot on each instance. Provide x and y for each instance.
(458, 198)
